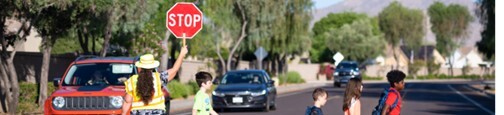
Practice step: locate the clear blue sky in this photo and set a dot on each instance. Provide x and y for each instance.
(324, 3)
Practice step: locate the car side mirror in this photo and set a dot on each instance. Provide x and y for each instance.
(216, 82)
(56, 81)
(271, 82)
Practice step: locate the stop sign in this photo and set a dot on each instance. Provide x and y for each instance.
(184, 18)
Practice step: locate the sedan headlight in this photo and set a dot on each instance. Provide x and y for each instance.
(116, 101)
(58, 102)
(355, 73)
(258, 93)
(217, 94)
(336, 73)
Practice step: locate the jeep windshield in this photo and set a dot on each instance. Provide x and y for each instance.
(98, 74)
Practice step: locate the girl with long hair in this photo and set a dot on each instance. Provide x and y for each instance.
(351, 102)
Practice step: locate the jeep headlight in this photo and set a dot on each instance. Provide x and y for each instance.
(116, 101)
(258, 93)
(217, 94)
(58, 102)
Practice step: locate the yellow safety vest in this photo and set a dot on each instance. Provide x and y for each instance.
(158, 99)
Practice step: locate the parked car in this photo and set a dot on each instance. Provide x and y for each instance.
(344, 71)
(245, 89)
(93, 85)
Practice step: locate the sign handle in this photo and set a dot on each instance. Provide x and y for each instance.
(183, 39)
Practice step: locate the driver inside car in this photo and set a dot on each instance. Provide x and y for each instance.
(98, 79)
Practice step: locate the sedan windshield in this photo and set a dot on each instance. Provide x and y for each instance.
(346, 65)
(98, 74)
(239, 78)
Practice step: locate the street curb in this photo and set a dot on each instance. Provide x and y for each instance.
(172, 110)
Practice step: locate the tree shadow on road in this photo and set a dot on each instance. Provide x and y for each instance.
(430, 98)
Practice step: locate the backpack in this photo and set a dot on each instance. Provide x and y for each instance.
(381, 103)
(312, 110)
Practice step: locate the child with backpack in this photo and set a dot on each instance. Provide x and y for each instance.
(351, 102)
(390, 102)
(320, 97)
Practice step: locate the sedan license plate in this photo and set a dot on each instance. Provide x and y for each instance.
(237, 100)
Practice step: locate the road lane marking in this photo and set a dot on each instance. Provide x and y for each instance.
(470, 100)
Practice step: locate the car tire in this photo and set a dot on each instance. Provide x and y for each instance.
(336, 84)
(273, 107)
(267, 108)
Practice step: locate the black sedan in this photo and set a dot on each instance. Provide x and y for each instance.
(245, 89)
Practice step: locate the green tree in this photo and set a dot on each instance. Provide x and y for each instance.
(282, 31)
(30, 14)
(356, 40)
(402, 26)
(450, 24)
(279, 30)
(51, 23)
(229, 20)
(487, 18)
(319, 51)
(9, 78)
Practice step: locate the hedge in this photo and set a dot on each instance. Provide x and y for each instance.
(290, 78)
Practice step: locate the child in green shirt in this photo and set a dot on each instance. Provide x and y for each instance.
(202, 104)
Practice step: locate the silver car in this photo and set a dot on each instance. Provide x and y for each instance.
(344, 71)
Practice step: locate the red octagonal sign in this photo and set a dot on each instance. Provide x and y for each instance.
(184, 18)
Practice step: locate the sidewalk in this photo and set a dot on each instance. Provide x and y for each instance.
(178, 105)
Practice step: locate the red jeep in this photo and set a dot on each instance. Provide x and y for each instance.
(93, 85)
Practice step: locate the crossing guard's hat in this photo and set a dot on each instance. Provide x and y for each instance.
(147, 62)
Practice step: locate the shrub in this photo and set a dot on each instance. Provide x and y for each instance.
(432, 67)
(365, 77)
(415, 67)
(27, 97)
(290, 77)
(466, 69)
(50, 89)
(180, 90)
(177, 89)
(194, 86)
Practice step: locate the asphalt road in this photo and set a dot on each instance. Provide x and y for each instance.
(419, 98)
